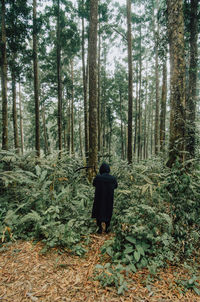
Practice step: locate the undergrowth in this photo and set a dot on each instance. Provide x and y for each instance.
(156, 217)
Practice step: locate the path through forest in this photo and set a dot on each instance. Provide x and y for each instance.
(28, 275)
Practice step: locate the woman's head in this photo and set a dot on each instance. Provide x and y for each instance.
(104, 168)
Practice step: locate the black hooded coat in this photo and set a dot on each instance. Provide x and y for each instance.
(104, 194)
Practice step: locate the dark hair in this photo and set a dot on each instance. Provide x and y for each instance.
(104, 168)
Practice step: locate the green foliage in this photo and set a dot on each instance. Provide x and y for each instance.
(48, 202)
(191, 284)
(156, 216)
(110, 275)
(155, 219)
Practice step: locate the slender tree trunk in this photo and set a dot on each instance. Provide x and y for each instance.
(14, 111)
(122, 135)
(140, 104)
(148, 127)
(93, 87)
(59, 86)
(152, 124)
(99, 93)
(80, 133)
(163, 108)
(192, 97)
(4, 79)
(136, 113)
(72, 108)
(36, 80)
(21, 121)
(103, 105)
(130, 83)
(145, 118)
(46, 147)
(177, 81)
(68, 127)
(84, 87)
(156, 39)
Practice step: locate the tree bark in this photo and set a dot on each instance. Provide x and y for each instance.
(59, 86)
(93, 87)
(192, 97)
(130, 83)
(156, 41)
(121, 122)
(46, 147)
(99, 92)
(72, 108)
(177, 81)
(68, 127)
(36, 80)
(4, 79)
(140, 104)
(136, 113)
(163, 108)
(21, 121)
(14, 111)
(80, 133)
(84, 87)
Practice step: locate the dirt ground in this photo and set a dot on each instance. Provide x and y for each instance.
(28, 275)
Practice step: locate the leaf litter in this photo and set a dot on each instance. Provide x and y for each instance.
(28, 275)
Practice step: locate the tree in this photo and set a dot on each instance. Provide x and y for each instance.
(130, 86)
(92, 53)
(163, 107)
(192, 95)
(36, 80)
(4, 79)
(177, 81)
(59, 87)
(84, 71)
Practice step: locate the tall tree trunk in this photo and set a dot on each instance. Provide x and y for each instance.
(130, 83)
(122, 135)
(68, 127)
(4, 79)
(21, 121)
(145, 117)
(177, 81)
(36, 80)
(59, 86)
(99, 93)
(80, 133)
(93, 87)
(103, 104)
(192, 97)
(140, 104)
(163, 108)
(46, 147)
(136, 113)
(14, 111)
(72, 108)
(156, 40)
(84, 87)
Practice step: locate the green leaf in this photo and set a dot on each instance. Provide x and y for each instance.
(131, 239)
(140, 249)
(128, 250)
(38, 170)
(197, 291)
(137, 256)
(120, 290)
(132, 267)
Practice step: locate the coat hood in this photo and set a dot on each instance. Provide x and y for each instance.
(104, 168)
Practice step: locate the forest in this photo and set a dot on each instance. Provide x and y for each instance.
(88, 82)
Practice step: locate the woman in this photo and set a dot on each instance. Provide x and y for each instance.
(104, 195)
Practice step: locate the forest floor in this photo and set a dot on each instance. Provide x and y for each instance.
(28, 275)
